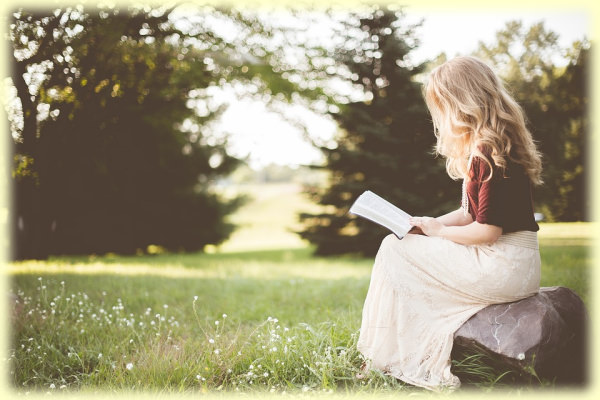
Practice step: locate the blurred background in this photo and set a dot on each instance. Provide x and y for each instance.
(153, 128)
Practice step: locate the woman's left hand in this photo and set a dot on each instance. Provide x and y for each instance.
(430, 226)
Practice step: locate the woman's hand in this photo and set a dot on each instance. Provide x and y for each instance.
(429, 226)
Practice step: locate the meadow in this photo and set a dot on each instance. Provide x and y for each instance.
(258, 314)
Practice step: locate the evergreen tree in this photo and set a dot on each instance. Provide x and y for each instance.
(385, 142)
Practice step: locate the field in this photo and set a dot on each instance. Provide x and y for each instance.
(259, 314)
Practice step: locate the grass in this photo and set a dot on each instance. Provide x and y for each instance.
(262, 321)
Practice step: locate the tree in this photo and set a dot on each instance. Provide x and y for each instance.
(109, 156)
(555, 100)
(385, 142)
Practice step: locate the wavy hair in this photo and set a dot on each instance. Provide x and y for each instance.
(473, 113)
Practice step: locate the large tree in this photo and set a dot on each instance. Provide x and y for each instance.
(108, 153)
(385, 142)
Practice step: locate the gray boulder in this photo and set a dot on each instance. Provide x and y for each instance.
(545, 333)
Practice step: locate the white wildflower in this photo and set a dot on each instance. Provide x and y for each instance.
(129, 366)
(521, 356)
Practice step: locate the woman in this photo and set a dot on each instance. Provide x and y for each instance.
(424, 287)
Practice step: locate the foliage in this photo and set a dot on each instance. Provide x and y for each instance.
(555, 100)
(385, 140)
(113, 147)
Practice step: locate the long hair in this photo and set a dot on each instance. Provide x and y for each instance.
(472, 112)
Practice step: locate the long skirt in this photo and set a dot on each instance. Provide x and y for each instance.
(424, 288)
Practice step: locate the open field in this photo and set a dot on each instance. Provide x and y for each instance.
(273, 319)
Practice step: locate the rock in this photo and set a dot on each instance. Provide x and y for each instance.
(546, 332)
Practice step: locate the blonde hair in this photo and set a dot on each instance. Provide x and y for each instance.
(472, 112)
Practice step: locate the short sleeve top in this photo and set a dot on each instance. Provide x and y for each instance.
(505, 200)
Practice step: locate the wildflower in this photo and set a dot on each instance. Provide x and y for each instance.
(99, 355)
(211, 341)
(217, 351)
(62, 386)
(129, 366)
(195, 298)
(216, 322)
(266, 374)
(521, 356)
(52, 386)
(165, 306)
(224, 316)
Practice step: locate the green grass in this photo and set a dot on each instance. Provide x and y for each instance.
(250, 321)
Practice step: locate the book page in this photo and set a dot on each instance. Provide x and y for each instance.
(371, 206)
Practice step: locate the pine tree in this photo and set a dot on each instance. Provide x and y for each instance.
(385, 143)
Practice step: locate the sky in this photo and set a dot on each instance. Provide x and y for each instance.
(264, 137)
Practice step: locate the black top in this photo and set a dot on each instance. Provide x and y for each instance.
(505, 200)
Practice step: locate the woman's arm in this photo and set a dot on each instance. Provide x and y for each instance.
(455, 218)
(473, 233)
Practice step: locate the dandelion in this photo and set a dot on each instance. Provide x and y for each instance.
(216, 322)
(129, 366)
(224, 316)
(195, 298)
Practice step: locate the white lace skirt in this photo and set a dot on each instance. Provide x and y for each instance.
(423, 289)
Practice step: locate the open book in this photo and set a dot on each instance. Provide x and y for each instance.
(372, 207)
